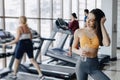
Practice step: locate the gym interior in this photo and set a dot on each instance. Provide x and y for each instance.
(51, 41)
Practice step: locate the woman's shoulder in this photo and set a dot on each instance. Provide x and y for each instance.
(23, 28)
(19, 28)
(80, 30)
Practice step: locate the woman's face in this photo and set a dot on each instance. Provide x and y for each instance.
(90, 20)
(72, 17)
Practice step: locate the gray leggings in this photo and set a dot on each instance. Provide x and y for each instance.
(91, 67)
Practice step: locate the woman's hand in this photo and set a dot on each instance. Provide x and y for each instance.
(83, 52)
(103, 19)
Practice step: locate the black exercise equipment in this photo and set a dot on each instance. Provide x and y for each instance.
(61, 23)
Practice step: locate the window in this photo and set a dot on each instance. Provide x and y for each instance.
(31, 8)
(81, 24)
(57, 9)
(12, 8)
(45, 28)
(11, 25)
(75, 6)
(99, 4)
(0, 7)
(32, 23)
(45, 8)
(66, 9)
(81, 9)
(91, 4)
(82, 6)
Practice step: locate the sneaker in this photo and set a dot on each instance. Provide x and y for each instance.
(11, 75)
(41, 78)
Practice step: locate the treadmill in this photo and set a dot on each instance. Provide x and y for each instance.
(7, 37)
(49, 70)
(63, 72)
(59, 54)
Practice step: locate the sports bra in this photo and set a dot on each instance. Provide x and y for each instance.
(85, 41)
(25, 36)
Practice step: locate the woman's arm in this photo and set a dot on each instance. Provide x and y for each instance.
(16, 38)
(106, 38)
(75, 48)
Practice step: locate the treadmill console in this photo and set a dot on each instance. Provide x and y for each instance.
(35, 34)
(5, 36)
(61, 24)
(2, 34)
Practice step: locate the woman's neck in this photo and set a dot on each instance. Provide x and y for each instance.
(72, 19)
(22, 24)
(89, 28)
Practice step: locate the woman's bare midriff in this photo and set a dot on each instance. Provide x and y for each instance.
(92, 53)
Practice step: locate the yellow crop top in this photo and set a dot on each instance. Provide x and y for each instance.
(90, 42)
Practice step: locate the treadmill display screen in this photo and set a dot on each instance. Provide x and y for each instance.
(2, 34)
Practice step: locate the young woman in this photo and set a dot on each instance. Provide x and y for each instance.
(24, 44)
(73, 25)
(90, 38)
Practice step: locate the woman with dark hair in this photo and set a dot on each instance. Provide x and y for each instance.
(73, 25)
(90, 38)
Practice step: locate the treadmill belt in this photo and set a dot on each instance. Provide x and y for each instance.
(58, 68)
(63, 72)
(28, 76)
(62, 55)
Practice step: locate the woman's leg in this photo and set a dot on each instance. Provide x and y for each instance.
(95, 73)
(16, 66)
(70, 46)
(19, 51)
(36, 66)
(80, 70)
(29, 51)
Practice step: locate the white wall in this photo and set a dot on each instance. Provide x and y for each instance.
(110, 9)
(118, 25)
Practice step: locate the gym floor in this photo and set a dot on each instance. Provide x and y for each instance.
(112, 70)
